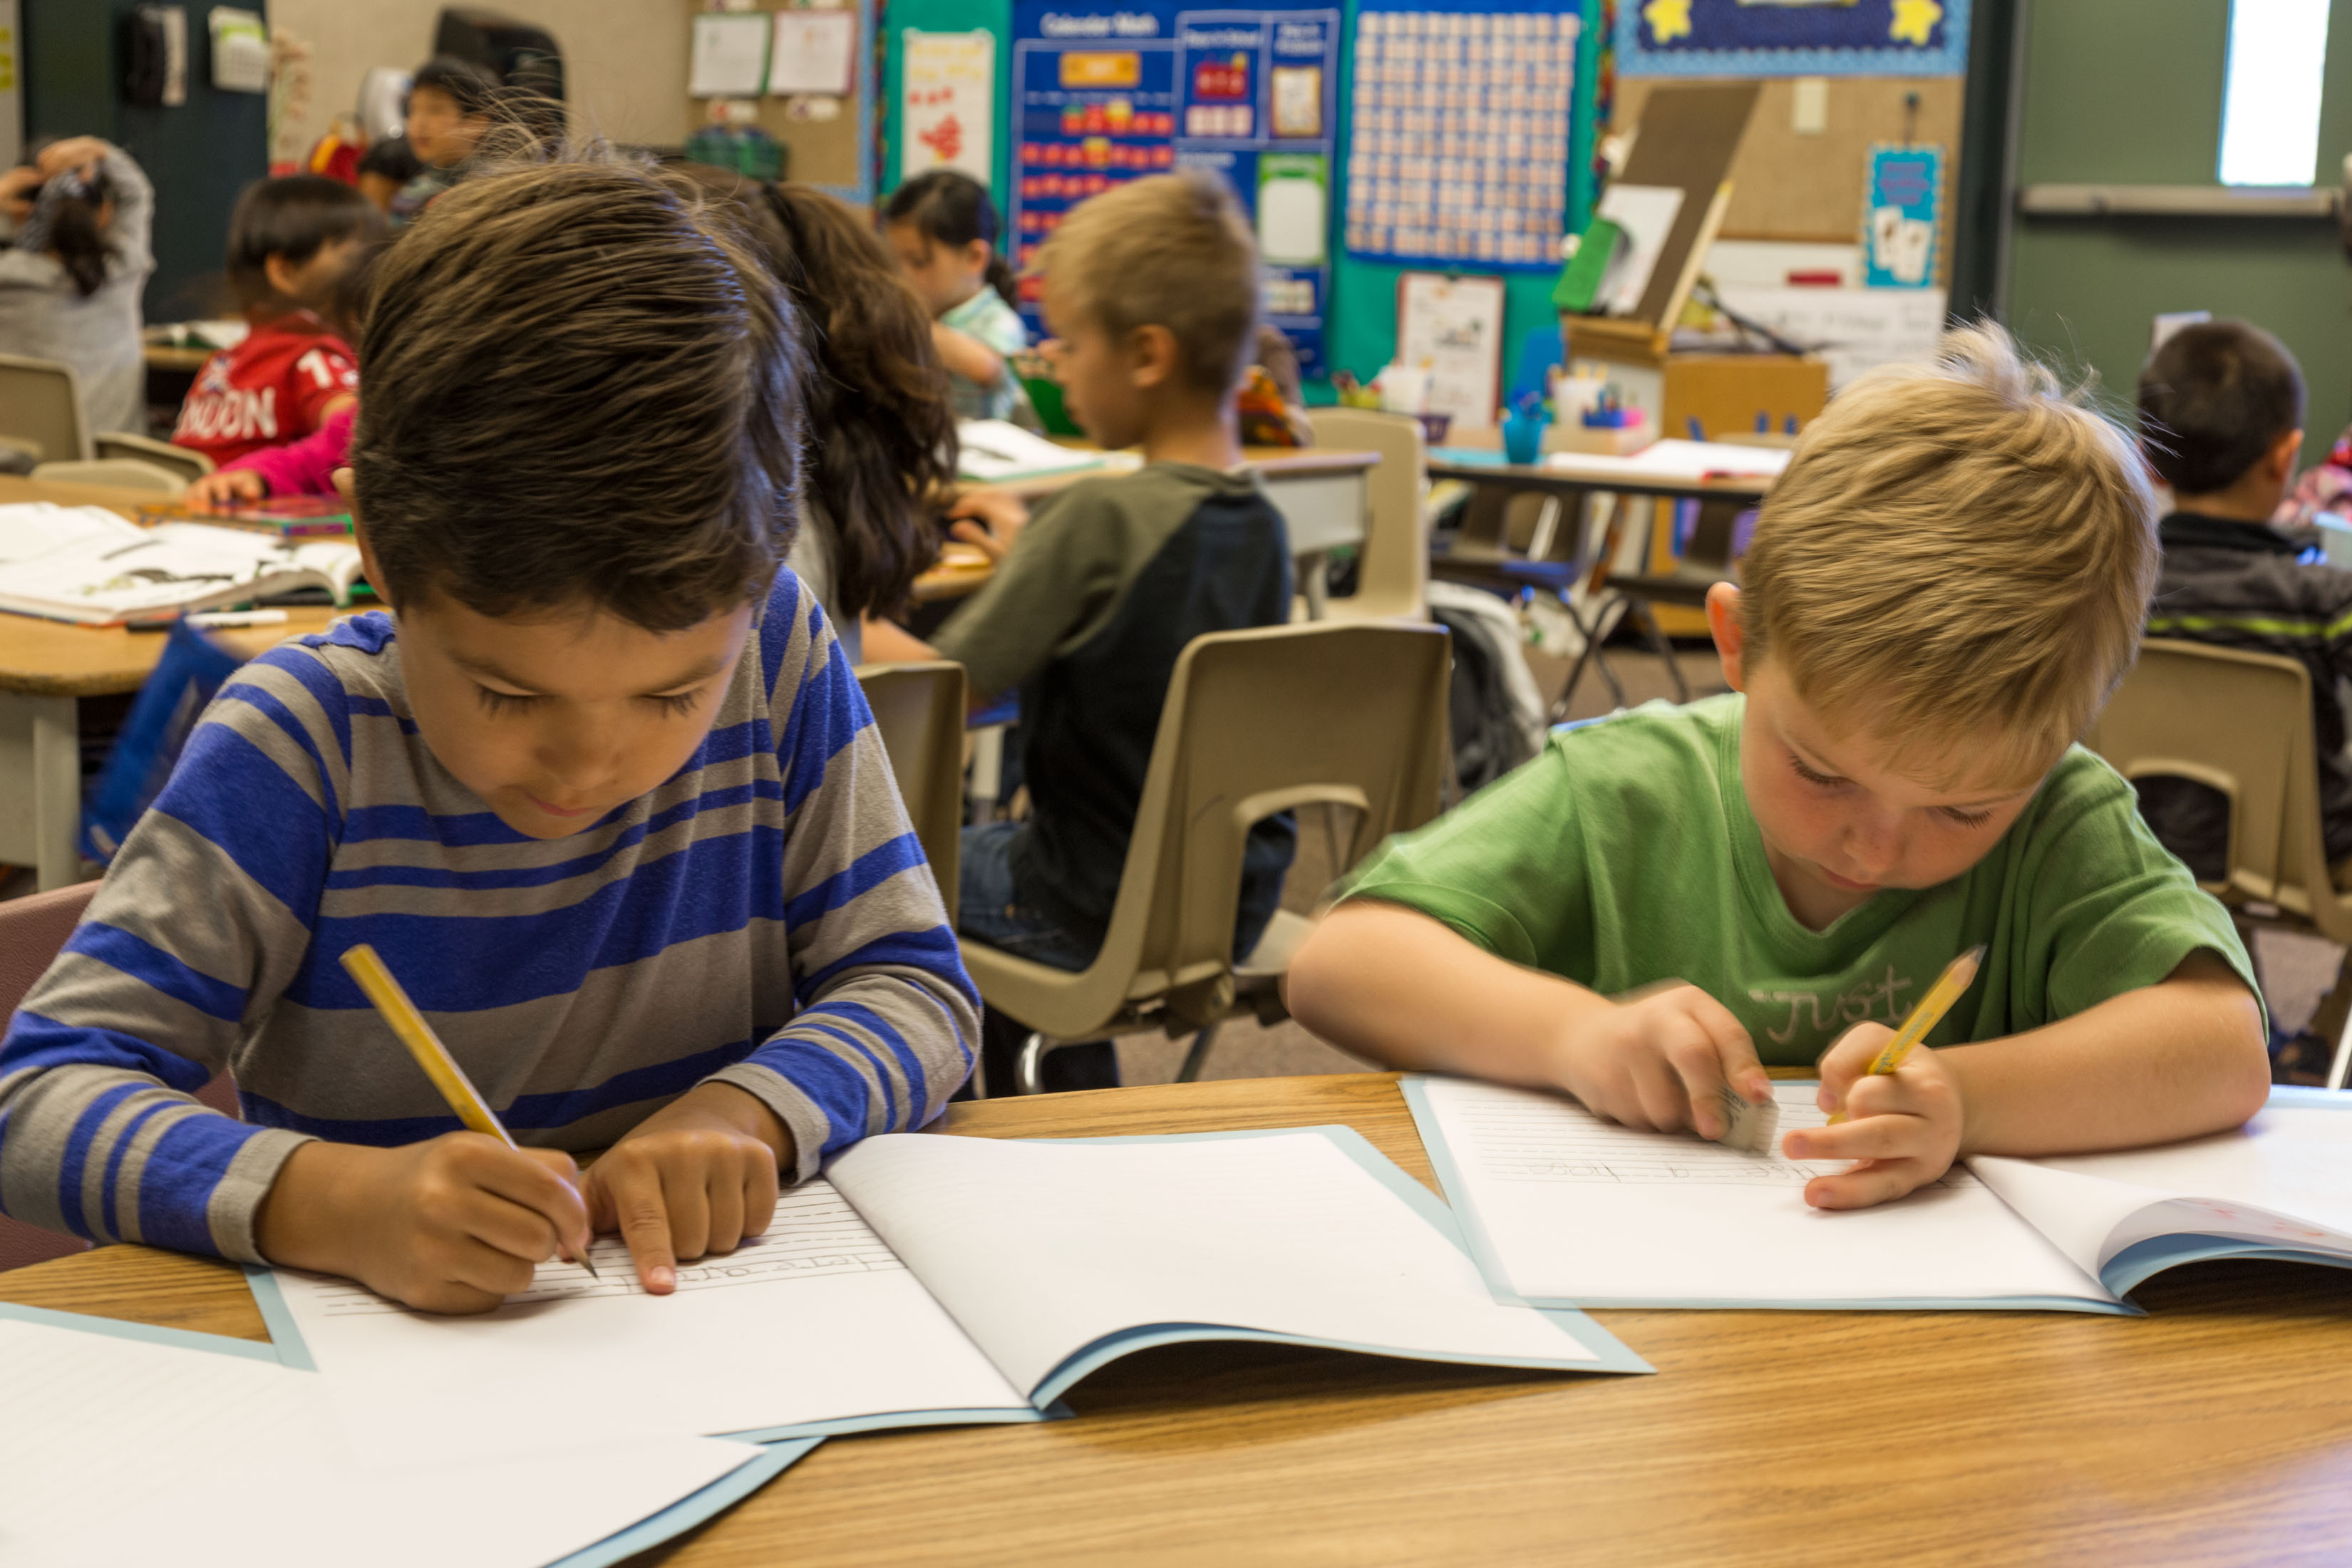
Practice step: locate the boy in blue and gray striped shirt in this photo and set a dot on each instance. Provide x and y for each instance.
(601, 789)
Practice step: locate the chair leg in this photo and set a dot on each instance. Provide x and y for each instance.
(1198, 1056)
(1655, 636)
(1029, 1072)
(1591, 654)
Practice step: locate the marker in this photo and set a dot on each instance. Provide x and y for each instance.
(1957, 976)
(401, 1014)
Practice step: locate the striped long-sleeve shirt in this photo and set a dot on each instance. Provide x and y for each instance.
(764, 919)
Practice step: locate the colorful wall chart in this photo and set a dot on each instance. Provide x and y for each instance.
(1792, 37)
(1899, 215)
(948, 95)
(1106, 94)
(1459, 132)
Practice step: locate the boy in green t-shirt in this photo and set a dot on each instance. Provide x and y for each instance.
(1943, 590)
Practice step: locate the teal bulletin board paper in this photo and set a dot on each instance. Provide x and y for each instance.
(769, 1461)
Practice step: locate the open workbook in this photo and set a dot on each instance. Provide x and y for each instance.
(934, 1279)
(1558, 1205)
(125, 1444)
(89, 565)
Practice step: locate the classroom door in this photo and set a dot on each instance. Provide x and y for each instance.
(2131, 92)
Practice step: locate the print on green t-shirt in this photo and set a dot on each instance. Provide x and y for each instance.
(1625, 856)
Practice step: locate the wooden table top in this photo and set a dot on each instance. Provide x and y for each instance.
(2217, 1430)
(176, 356)
(52, 659)
(1561, 471)
(1275, 463)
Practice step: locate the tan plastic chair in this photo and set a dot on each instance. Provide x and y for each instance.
(919, 707)
(1393, 570)
(2240, 724)
(190, 466)
(119, 473)
(33, 930)
(40, 406)
(1255, 722)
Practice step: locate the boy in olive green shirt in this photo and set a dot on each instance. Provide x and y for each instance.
(1943, 589)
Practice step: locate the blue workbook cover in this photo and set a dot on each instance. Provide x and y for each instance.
(927, 1280)
(1558, 1205)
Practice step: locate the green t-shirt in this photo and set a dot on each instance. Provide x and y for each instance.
(1624, 855)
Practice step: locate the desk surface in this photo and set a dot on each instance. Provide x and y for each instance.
(50, 658)
(1564, 473)
(2217, 1430)
(1275, 463)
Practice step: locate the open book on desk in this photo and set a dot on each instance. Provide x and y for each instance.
(1558, 1205)
(102, 577)
(930, 1279)
(998, 452)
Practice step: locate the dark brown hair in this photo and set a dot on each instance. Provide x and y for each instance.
(2211, 401)
(579, 388)
(949, 207)
(881, 430)
(293, 217)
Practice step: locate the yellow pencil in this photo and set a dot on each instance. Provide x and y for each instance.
(368, 968)
(1928, 1012)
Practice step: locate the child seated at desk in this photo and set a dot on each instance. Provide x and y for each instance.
(292, 241)
(74, 259)
(943, 228)
(1152, 294)
(2220, 408)
(452, 105)
(1943, 589)
(600, 788)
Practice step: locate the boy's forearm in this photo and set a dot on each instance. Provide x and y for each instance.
(2176, 1059)
(1407, 990)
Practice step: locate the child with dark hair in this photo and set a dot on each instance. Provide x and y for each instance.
(293, 240)
(386, 170)
(881, 435)
(451, 104)
(74, 224)
(943, 228)
(2220, 421)
(600, 787)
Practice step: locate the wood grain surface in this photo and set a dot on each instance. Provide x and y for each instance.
(2216, 1430)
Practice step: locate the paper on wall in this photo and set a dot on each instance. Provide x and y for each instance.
(949, 102)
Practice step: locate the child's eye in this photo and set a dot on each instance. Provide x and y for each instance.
(1966, 818)
(496, 702)
(677, 706)
(1809, 777)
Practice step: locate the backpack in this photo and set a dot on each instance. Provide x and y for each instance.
(1493, 709)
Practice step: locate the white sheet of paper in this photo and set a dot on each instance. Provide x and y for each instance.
(1646, 214)
(1043, 1248)
(994, 450)
(118, 1450)
(29, 530)
(1678, 459)
(1581, 1209)
(2284, 1179)
(815, 1321)
(814, 51)
(731, 55)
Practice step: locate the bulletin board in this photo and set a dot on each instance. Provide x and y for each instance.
(1109, 91)
(831, 151)
(1461, 111)
(1792, 37)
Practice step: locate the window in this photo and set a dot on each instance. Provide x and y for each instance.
(2270, 105)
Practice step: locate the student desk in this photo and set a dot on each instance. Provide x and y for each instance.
(1482, 551)
(46, 668)
(1321, 493)
(2217, 1430)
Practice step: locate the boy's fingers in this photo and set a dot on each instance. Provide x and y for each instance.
(1877, 1182)
(543, 1181)
(644, 1220)
(689, 1201)
(1701, 1070)
(724, 1204)
(1658, 1097)
(1866, 1138)
(1849, 1059)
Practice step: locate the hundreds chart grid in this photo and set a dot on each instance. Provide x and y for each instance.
(815, 1234)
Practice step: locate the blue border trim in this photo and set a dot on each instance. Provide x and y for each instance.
(767, 1462)
(278, 1318)
(149, 1333)
(1635, 58)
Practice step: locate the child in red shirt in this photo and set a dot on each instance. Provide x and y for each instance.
(291, 243)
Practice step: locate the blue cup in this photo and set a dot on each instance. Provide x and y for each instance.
(1523, 436)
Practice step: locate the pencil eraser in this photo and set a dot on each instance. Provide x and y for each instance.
(1747, 1126)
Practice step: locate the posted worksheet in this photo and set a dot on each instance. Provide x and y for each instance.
(931, 1279)
(121, 1450)
(1560, 1205)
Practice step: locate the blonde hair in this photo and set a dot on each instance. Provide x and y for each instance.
(1171, 251)
(1957, 561)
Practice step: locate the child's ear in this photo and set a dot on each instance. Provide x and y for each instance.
(1723, 620)
(1152, 356)
(281, 275)
(2284, 455)
(976, 254)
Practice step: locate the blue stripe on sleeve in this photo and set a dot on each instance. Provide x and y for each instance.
(815, 1023)
(932, 949)
(828, 712)
(151, 966)
(34, 1041)
(108, 1213)
(227, 790)
(181, 1170)
(324, 685)
(77, 1155)
(861, 876)
(269, 706)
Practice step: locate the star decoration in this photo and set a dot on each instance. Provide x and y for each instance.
(1668, 19)
(1914, 20)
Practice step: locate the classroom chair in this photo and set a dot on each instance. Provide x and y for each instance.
(190, 466)
(2240, 723)
(121, 473)
(1393, 564)
(1705, 561)
(1255, 722)
(32, 930)
(40, 404)
(919, 707)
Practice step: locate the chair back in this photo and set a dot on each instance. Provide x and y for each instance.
(188, 463)
(40, 404)
(919, 707)
(121, 473)
(1392, 571)
(2240, 724)
(1255, 722)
